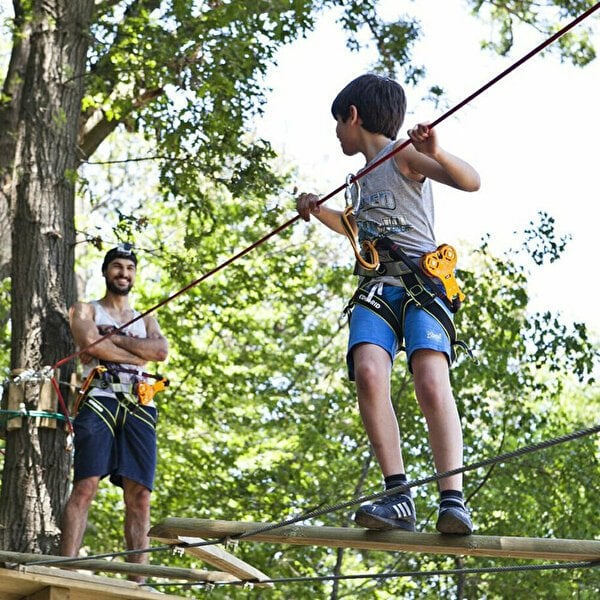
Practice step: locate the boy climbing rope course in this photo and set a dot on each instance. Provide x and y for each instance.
(391, 213)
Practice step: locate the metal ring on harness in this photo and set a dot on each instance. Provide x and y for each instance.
(416, 289)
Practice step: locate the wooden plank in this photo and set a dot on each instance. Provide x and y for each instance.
(18, 585)
(48, 402)
(106, 566)
(154, 571)
(392, 540)
(16, 397)
(217, 557)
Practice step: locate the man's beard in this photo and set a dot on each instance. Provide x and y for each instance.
(119, 291)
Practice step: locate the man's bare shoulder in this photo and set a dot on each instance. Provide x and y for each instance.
(82, 310)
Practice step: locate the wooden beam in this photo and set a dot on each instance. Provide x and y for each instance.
(45, 583)
(217, 557)
(97, 565)
(50, 593)
(392, 540)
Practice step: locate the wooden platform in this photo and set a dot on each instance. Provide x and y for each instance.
(394, 540)
(45, 583)
(42, 582)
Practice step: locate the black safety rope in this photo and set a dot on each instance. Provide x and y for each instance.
(395, 574)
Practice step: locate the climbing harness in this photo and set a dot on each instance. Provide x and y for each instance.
(420, 290)
(440, 263)
(130, 395)
(416, 279)
(367, 296)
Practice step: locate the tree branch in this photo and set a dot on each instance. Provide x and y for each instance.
(96, 128)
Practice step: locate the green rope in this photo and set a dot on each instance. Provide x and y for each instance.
(31, 413)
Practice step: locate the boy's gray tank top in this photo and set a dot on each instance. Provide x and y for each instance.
(396, 207)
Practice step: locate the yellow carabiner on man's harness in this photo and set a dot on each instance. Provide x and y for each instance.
(441, 264)
(350, 229)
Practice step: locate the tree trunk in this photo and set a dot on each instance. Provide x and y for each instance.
(37, 465)
(9, 112)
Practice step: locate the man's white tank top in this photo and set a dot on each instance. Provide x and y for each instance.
(136, 329)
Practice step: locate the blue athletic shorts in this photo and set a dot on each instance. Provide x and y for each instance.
(112, 440)
(421, 330)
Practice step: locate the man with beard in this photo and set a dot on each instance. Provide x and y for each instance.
(115, 426)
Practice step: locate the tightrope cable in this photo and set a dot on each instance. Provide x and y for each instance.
(423, 481)
(396, 574)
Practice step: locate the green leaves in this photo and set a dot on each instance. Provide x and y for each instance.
(547, 17)
(260, 421)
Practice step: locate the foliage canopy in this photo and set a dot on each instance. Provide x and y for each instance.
(259, 422)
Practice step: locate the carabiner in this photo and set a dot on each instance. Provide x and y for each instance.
(352, 192)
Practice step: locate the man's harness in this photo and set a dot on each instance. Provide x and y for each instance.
(130, 395)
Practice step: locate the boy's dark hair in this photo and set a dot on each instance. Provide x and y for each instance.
(380, 102)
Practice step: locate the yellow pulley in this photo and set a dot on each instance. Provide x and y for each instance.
(146, 391)
(441, 264)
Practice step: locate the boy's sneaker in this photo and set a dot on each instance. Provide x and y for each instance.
(454, 519)
(390, 512)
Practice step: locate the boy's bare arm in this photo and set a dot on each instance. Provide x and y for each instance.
(307, 205)
(426, 158)
(85, 332)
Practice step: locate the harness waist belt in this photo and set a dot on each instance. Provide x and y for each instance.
(392, 269)
(123, 388)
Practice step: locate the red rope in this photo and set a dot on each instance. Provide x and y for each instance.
(482, 89)
(62, 403)
(356, 177)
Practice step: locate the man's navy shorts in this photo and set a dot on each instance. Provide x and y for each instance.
(113, 440)
(421, 330)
